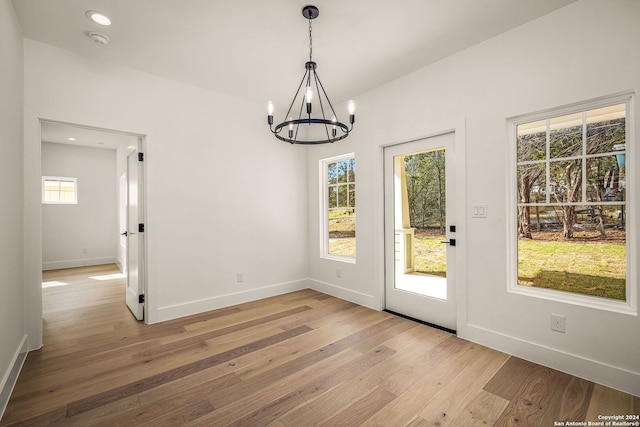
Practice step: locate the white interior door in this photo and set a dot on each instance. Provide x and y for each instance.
(134, 282)
(419, 262)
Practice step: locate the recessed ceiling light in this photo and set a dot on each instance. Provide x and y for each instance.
(98, 17)
(71, 139)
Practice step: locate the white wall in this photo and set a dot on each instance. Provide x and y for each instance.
(583, 51)
(11, 193)
(85, 233)
(222, 195)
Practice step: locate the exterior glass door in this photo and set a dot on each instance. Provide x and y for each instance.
(419, 239)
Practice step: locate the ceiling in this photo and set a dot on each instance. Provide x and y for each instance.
(256, 49)
(64, 133)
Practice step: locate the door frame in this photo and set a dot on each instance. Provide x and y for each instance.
(142, 262)
(458, 128)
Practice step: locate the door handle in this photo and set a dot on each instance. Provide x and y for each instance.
(450, 242)
(125, 234)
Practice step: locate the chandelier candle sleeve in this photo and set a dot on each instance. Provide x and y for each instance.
(270, 113)
(352, 111)
(323, 124)
(309, 97)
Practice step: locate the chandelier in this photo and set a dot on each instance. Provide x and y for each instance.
(315, 106)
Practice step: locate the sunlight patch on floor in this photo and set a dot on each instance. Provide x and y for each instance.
(54, 283)
(108, 276)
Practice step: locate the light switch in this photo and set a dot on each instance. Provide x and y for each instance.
(479, 210)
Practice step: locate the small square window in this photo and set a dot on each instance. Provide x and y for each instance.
(59, 190)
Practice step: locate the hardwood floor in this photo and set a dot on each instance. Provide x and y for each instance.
(299, 359)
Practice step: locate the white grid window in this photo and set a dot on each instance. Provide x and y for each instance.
(338, 204)
(59, 190)
(573, 209)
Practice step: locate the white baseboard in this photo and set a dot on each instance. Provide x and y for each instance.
(579, 366)
(359, 298)
(11, 375)
(195, 307)
(72, 263)
(120, 265)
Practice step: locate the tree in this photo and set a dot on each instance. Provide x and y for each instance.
(567, 186)
(531, 148)
(426, 189)
(567, 176)
(551, 155)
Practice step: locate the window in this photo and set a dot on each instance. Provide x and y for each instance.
(572, 208)
(59, 190)
(338, 206)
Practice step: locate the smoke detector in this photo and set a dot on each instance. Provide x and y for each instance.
(99, 38)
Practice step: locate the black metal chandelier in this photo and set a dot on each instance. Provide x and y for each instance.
(324, 130)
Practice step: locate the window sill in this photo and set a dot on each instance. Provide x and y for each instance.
(340, 258)
(622, 307)
(59, 203)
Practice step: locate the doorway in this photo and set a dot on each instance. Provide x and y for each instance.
(98, 161)
(420, 231)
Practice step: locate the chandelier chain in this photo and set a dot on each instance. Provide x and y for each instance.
(310, 42)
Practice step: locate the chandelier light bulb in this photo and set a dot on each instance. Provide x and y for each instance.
(351, 107)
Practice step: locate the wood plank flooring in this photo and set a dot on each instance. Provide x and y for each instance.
(301, 359)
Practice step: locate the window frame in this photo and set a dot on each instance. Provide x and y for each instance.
(60, 179)
(630, 305)
(324, 208)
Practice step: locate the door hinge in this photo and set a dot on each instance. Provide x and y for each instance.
(140, 228)
(140, 298)
(141, 157)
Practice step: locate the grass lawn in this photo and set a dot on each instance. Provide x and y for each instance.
(342, 235)
(345, 246)
(589, 268)
(595, 268)
(430, 255)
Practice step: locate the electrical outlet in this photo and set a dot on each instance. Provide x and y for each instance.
(239, 277)
(338, 273)
(557, 323)
(85, 251)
